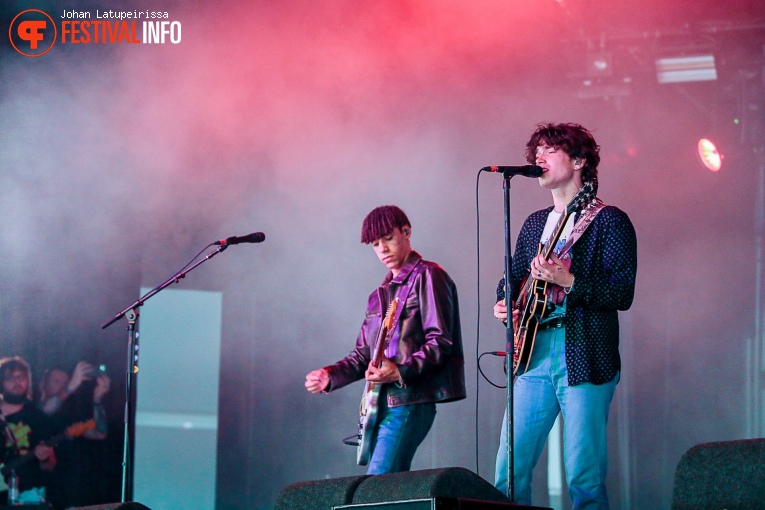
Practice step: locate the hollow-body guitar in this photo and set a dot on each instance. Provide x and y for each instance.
(534, 297)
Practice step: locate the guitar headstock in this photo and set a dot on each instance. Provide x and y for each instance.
(78, 429)
(583, 197)
(388, 321)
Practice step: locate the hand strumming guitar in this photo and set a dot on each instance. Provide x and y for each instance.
(552, 270)
(387, 373)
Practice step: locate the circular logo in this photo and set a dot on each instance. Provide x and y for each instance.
(32, 33)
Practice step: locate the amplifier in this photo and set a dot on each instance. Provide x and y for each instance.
(439, 504)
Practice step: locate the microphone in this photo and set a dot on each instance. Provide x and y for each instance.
(509, 171)
(255, 237)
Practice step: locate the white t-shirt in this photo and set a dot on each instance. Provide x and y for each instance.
(552, 221)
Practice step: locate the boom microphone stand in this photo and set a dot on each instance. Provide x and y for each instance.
(131, 314)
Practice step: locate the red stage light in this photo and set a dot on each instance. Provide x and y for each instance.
(709, 155)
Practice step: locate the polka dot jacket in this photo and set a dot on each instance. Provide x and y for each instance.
(604, 264)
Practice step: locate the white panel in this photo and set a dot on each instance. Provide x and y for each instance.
(177, 403)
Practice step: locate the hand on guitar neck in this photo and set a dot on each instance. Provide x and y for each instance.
(500, 312)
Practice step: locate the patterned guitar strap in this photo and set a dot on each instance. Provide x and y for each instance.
(558, 294)
(584, 220)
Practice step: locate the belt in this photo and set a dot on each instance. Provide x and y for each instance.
(557, 322)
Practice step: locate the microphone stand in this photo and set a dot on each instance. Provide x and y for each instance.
(131, 314)
(509, 339)
(508, 172)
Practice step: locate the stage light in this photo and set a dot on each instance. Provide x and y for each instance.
(599, 64)
(709, 155)
(684, 69)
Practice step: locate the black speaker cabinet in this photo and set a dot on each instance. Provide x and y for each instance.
(453, 482)
(430, 489)
(318, 494)
(728, 474)
(439, 504)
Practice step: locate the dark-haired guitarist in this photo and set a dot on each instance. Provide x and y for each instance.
(423, 363)
(574, 365)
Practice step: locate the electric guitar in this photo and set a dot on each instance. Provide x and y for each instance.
(534, 296)
(368, 409)
(72, 431)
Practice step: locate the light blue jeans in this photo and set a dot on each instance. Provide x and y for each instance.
(400, 432)
(538, 395)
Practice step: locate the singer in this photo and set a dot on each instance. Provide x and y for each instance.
(574, 365)
(422, 365)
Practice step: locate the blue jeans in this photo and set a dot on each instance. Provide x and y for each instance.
(399, 432)
(538, 395)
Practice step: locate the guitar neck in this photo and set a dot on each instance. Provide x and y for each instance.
(23, 459)
(549, 246)
(381, 343)
(71, 432)
(379, 347)
(546, 249)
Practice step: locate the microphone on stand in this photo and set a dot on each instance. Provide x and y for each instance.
(255, 237)
(509, 171)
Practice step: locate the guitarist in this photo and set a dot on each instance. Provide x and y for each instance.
(574, 365)
(23, 427)
(423, 364)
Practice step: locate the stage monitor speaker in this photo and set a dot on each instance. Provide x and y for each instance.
(318, 494)
(453, 482)
(439, 504)
(729, 474)
(128, 505)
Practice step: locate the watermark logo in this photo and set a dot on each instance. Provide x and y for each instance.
(32, 33)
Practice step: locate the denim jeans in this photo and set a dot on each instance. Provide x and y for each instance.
(538, 395)
(399, 432)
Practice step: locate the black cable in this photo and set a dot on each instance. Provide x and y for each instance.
(478, 311)
(479, 371)
(194, 258)
(493, 353)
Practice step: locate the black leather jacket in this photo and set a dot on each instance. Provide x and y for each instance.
(426, 343)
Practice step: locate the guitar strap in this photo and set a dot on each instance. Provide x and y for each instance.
(588, 214)
(392, 349)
